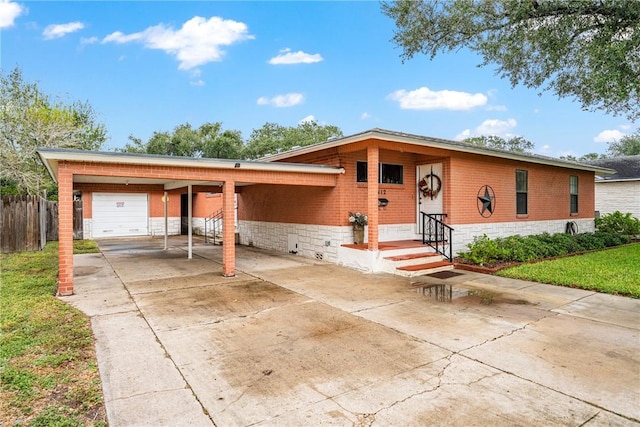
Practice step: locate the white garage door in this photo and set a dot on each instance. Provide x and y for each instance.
(123, 214)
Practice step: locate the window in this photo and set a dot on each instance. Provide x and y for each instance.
(521, 192)
(573, 191)
(361, 170)
(387, 173)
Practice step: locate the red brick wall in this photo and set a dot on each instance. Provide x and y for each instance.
(463, 175)
(204, 204)
(548, 190)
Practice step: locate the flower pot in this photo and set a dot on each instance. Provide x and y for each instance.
(358, 234)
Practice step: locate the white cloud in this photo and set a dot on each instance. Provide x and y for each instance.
(608, 136)
(197, 83)
(365, 116)
(198, 42)
(9, 11)
(55, 31)
(490, 127)
(286, 100)
(426, 99)
(496, 108)
(88, 40)
(310, 118)
(286, 57)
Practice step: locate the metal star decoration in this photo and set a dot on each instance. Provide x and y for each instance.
(486, 201)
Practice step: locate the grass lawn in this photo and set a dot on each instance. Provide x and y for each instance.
(612, 271)
(48, 370)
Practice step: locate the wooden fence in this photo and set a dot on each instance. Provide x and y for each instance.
(27, 223)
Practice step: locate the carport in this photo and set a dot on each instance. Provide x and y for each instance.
(68, 167)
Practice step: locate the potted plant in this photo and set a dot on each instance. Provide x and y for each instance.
(358, 220)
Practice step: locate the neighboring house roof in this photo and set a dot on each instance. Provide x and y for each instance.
(627, 168)
(446, 144)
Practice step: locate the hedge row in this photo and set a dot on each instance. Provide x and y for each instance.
(486, 251)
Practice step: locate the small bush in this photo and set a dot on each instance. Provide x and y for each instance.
(483, 250)
(486, 251)
(619, 223)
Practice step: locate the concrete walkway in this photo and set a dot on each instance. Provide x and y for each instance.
(292, 341)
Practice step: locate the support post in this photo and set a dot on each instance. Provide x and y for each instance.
(65, 231)
(373, 160)
(228, 229)
(166, 220)
(190, 215)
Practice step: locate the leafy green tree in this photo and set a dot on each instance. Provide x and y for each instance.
(218, 144)
(517, 143)
(583, 49)
(273, 138)
(628, 145)
(30, 119)
(585, 157)
(209, 140)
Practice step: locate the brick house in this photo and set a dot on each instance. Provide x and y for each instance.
(414, 189)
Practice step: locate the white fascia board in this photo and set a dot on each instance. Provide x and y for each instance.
(51, 157)
(435, 143)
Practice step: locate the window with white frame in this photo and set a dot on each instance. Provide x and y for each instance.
(522, 192)
(573, 191)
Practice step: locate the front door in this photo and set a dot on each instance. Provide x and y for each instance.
(430, 191)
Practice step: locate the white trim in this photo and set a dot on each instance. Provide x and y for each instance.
(50, 157)
(423, 141)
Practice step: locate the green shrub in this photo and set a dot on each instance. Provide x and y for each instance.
(486, 251)
(612, 239)
(619, 223)
(483, 251)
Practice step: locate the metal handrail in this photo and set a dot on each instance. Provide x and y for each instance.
(437, 234)
(214, 221)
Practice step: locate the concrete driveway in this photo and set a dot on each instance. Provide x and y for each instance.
(292, 341)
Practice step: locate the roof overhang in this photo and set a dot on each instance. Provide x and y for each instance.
(444, 144)
(51, 157)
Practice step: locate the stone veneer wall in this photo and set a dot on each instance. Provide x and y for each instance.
(157, 225)
(322, 241)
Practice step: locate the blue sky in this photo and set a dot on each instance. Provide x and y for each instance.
(150, 66)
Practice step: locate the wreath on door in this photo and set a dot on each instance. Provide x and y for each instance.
(430, 185)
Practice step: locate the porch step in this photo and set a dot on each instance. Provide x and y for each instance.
(424, 268)
(411, 256)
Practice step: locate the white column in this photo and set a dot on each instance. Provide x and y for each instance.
(190, 215)
(166, 220)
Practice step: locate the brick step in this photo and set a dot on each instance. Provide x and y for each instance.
(407, 257)
(426, 266)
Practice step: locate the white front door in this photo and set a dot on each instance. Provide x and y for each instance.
(430, 190)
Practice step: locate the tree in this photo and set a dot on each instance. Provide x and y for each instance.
(628, 145)
(516, 143)
(30, 119)
(207, 141)
(584, 158)
(585, 49)
(219, 144)
(273, 138)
